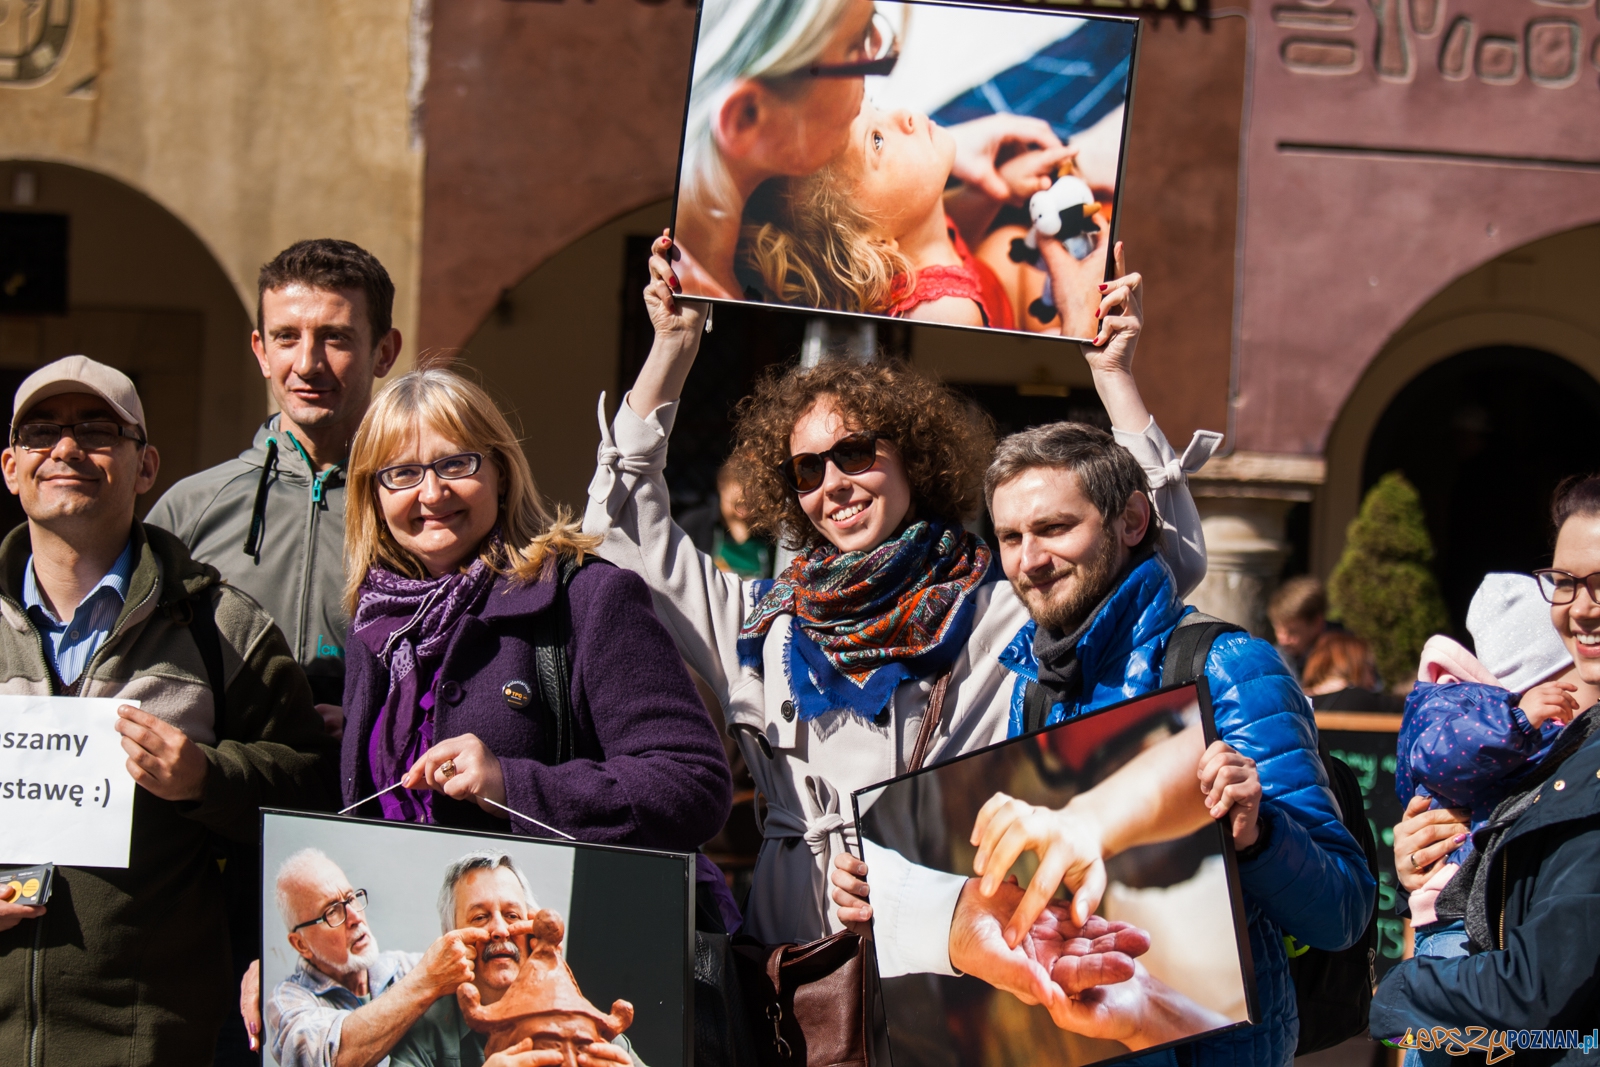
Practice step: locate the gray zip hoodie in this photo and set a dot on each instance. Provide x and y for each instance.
(274, 528)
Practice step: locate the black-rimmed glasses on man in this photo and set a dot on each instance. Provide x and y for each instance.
(90, 436)
(336, 914)
(1559, 587)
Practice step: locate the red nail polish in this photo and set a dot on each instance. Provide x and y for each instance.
(677, 287)
(1103, 288)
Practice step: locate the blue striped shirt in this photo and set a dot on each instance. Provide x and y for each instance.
(72, 643)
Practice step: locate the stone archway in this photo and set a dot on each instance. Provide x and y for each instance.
(146, 296)
(1523, 315)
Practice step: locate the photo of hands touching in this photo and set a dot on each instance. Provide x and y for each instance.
(1086, 936)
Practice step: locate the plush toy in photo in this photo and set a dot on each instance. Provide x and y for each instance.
(1066, 212)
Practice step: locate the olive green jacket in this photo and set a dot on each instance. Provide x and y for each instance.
(133, 967)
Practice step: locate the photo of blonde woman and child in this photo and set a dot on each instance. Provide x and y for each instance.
(933, 162)
(1076, 843)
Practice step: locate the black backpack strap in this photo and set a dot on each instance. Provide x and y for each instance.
(1189, 646)
(551, 630)
(1035, 707)
(199, 614)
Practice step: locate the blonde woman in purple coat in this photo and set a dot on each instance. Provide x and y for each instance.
(452, 561)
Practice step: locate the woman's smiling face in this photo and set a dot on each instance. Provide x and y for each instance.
(853, 511)
(900, 161)
(441, 522)
(1578, 623)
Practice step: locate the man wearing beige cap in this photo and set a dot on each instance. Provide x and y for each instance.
(132, 965)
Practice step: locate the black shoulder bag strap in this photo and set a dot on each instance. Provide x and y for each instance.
(1189, 646)
(200, 615)
(551, 629)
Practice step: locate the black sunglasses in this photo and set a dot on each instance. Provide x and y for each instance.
(852, 455)
(879, 44)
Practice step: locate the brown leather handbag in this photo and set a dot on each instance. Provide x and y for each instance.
(815, 1005)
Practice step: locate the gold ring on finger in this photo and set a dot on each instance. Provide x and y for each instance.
(447, 769)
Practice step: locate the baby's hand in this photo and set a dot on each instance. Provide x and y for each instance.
(1552, 700)
(1033, 171)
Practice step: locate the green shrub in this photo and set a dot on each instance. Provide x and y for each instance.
(1382, 588)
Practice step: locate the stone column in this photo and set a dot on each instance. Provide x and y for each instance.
(1243, 500)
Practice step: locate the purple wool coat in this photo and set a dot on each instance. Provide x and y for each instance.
(648, 769)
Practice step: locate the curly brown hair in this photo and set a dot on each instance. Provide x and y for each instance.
(943, 439)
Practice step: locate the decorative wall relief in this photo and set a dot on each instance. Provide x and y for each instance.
(1393, 59)
(1320, 56)
(1456, 53)
(1427, 17)
(1499, 60)
(1552, 50)
(33, 35)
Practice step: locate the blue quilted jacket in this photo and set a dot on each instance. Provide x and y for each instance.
(1312, 880)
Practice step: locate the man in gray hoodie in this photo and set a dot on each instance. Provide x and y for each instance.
(272, 520)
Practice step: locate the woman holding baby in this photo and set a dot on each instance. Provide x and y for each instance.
(1505, 872)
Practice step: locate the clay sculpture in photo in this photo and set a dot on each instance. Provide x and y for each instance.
(544, 1004)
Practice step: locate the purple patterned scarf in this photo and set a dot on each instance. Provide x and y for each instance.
(408, 623)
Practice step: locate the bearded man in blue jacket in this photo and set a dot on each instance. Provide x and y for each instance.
(1073, 518)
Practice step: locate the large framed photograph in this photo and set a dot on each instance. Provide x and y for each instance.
(579, 948)
(1168, 941)
(955, 163)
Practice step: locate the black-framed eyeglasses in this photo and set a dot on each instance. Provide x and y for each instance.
(337, 913)
(1559, 587)
(880, 49)
(91, 436)
(410, 475)
(854, 454)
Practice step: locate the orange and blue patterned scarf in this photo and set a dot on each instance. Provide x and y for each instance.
(866, 621)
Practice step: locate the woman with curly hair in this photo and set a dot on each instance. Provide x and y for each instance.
(868, 471)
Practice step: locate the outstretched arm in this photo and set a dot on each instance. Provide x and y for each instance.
(678, 327)
(631, 508)
(1121, 309)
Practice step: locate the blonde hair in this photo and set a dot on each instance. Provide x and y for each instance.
(739, 40)
(463, 412)
(820, 249)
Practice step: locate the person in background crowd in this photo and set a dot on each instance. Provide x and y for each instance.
(826, 673)
(1530, 889)
(721, 529)
(348, 1002)
(271, 521)
(1340, 675)
(1298, 611)
(132, 966)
